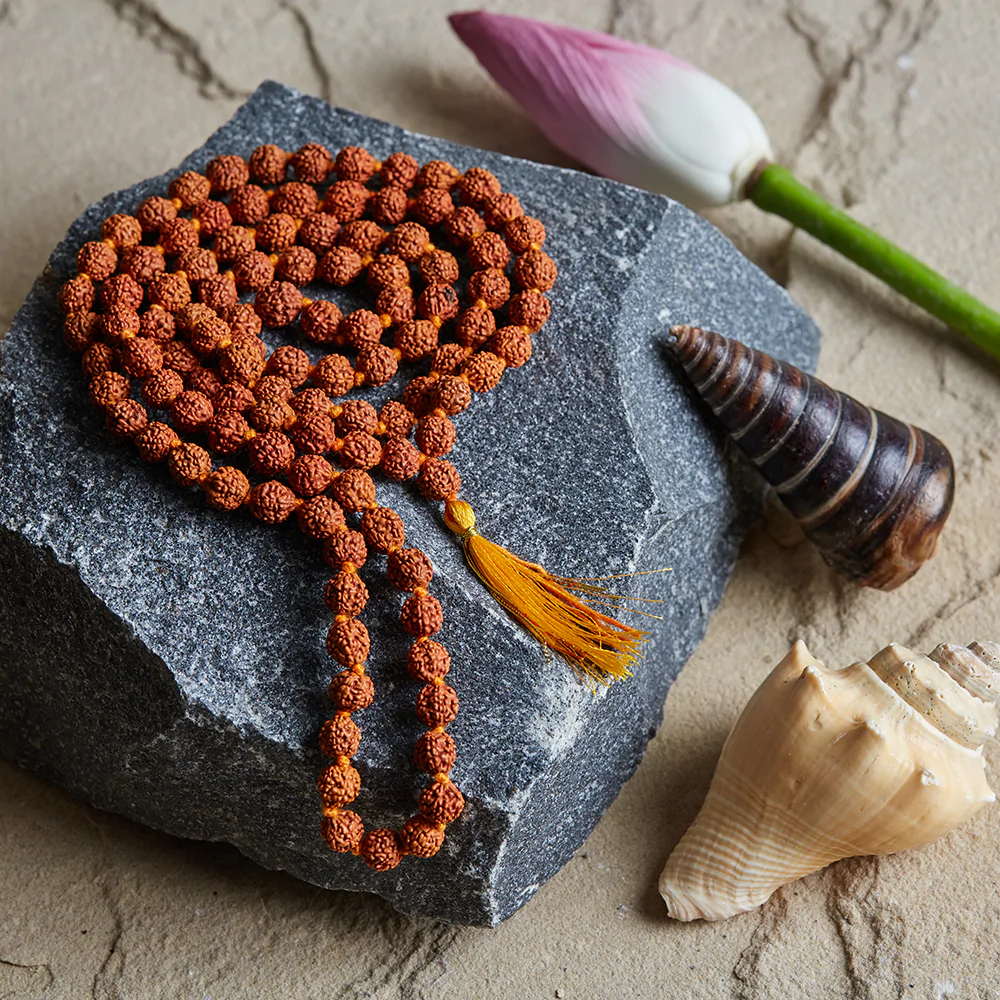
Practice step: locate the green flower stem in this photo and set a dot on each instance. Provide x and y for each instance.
(775, 189)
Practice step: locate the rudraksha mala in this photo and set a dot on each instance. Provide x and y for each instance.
(151, 308)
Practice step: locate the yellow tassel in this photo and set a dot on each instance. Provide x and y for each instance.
(597, 646)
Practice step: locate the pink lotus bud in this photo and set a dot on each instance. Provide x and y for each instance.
(627, 111)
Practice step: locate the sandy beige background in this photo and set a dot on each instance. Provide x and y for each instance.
(890, 107)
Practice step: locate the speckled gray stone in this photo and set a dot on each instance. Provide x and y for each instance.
(166, 662)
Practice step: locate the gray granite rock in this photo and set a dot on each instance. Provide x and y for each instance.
(166, 662)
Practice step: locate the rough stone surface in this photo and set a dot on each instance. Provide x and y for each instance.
(166, 662)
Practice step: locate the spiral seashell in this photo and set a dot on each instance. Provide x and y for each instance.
(870, 492)
(823, 764)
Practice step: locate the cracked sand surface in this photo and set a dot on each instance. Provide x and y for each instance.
(889, 106)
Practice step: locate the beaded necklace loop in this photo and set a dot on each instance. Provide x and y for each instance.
(155, 312)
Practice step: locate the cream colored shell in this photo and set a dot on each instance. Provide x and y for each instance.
(824, 764)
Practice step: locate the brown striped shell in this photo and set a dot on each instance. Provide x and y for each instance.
(870, 492)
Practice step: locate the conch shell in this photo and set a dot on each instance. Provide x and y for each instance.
(823, 764)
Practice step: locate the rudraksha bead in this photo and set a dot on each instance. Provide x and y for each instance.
(362, 236)
(397, 304)
(438, 302)
(123, 230)
(529, 309)
(524, 233)
(408, 240)
(227, 432)
(383, 529)
(512, 344)
(421, 615)
(235, 397)
(312, 163)
(448, 358)
(377, 363)
(249, 205)
(420, 395)
(309, 475)
(500, 210)
(338, 785)
(279, 304)
(99, 358)
(212, 217)
(154, 213)
(121, 290)
(441, 801)
(343, 831)
(96, 259)
(427, 661)
(161, 389)
(308, 401)
(76, 295)
(348, 643)
(179, 356)
(381, 849)
(170, 290)
(354, 490)
(157, 324)
(241, 363)
(355, 164)
(277, 233)
(416, 339)
(344, 547)
(396, 418)
(227, 173)
(408, 569)
(142, 264)
(190, 188)
(432, 206)
(340, 266)
(320, 321)
(438, 268)
(400, 459)
(351, 692)
(452, 395)
(211, 335)
(420, 837)
(271, 453)
(234, 241)
(464, 225)
(203, 380)
(435, 436)
(389, 205)
(474, 327)
(120, 322)
(346, 594)
(268, 164)
(483, 371)
(489, 286)
(321, 517)
(291, 363)
(243, 320)
(357, 415)
(399, 170)
(346, 200)
(125, 418)
(489, 250)
(361, 328)
(319, 232)
(189, 463)
(295, 199)
(156, 441)
(340, 736)
(386, 271)
(80, 329)
(141, 357)
(438, 174)
(178, 236)
(478, 186)
(191, 411)
(253, 271)
(434, 753)
(314, 434)
(297, 265)
(439, 479)
(437, 705)
(272, 502)
(535, 269)
(226, 488)
(272, 414)
(197, 264)
(333, 374)
(274, 385)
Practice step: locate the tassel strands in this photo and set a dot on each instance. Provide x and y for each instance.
(597, 646)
